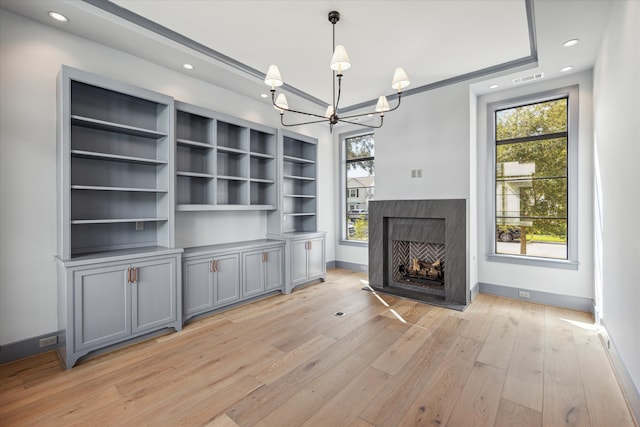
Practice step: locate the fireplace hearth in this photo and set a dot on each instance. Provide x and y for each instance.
(417, 249)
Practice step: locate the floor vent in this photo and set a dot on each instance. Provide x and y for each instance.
(527, 79)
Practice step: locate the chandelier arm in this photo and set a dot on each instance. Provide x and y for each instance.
(398, 105)
(299, 124)
(273, 101)
(365, 125)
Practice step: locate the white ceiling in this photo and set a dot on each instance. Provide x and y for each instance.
(434, 40)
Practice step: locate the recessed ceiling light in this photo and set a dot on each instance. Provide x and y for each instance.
(493, 86)
(188, 66)
(58, 16)
(263, 95)
(570, 43)
(568, 68)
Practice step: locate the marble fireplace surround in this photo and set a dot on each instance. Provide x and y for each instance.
(382, 213)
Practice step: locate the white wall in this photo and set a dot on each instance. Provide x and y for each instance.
(430, 131)
(32, 54)
(617, 174)
(578, 282)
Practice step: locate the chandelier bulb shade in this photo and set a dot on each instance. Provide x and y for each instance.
(339, 62)
(281, 102)
(273, 78)
(400, 79)
(382, 105)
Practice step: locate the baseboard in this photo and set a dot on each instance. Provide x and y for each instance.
(331, 265)
(351, 266)
(26, 348)
(631, 392)
(547, 298)
(475, 290)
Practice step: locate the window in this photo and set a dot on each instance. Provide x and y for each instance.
(359, 185)
(533, 180)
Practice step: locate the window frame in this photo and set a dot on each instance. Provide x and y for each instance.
(571, 93)
(343, 240)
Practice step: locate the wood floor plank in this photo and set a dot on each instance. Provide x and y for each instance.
(287, 360)
(478, 403)
(313, 396)
(263, 401)
(343, 408)
(524, 382)
(511, 414)
(436, 401)
(390, 404)
(605, 405)
(498, 345)
(564, 400)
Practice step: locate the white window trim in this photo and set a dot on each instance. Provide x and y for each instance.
(572, 174)
(342, 223)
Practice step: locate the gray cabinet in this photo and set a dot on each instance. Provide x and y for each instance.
(307, 259)
(219, 275)
(223, 163)
(210, 282)
(104, 302)
(262, 271)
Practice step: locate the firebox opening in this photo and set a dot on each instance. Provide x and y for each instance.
(419, 266)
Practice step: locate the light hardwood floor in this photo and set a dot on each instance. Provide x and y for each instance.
(289, 361)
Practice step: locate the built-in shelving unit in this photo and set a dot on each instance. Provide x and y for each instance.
(299, 189)
(223, 163)
(118, 270)
(115, 175)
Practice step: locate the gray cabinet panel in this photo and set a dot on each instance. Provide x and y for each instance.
(273, 269)
(101, 297)
(227, 279)
(316, 264)
(253, 274)
(153, 294)
(298, 261)
(198, 286)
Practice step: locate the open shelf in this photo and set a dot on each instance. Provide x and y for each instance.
(115, 127)
(194, 144)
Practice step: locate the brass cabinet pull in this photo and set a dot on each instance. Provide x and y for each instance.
(211, 266)
(129, 275)
(135, 275)
(309, 244)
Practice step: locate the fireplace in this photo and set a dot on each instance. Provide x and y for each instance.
(417, 249)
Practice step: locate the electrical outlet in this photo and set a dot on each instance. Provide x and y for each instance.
(363, 268)
(418, 173)
(413, 173)
(524, 294)
(139, 225)
(45, 342)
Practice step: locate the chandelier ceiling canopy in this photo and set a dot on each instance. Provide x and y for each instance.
(339, 63)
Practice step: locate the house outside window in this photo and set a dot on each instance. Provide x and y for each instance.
(534, 213)
(359, 184)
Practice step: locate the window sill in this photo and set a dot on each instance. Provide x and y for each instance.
(534, 261)
(357, 243)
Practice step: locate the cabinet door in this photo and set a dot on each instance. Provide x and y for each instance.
(102, 315)
(299, 272)
(198, 286)
(315, 259)
(227, 280)
(253, 277)
(273, 269)
(153, 294)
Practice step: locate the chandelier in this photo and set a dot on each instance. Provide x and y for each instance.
(339, 63)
